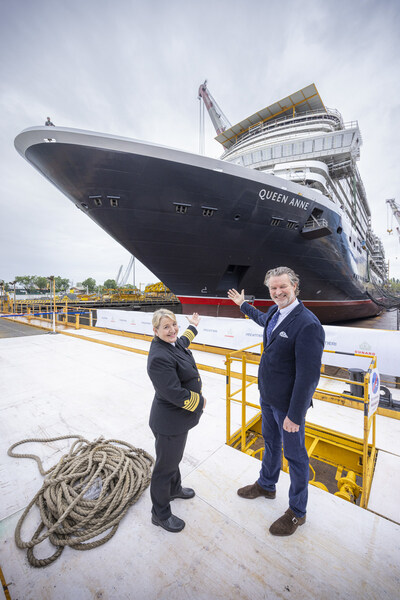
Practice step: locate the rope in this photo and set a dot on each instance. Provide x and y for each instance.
(85, 494)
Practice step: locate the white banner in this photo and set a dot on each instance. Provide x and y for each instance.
(235, 334)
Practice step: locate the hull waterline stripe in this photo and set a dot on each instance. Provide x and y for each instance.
(227, 302)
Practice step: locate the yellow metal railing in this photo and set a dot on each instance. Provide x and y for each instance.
(355, 455)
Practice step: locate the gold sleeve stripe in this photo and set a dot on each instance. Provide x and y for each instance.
(189, 335)
(192, 402)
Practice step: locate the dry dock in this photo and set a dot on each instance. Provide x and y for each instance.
(54, 385)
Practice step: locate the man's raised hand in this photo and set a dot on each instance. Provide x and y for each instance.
(235, 296)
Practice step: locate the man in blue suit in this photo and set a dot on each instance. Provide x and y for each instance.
(288, 374)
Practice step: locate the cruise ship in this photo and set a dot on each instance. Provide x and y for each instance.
(286, 191)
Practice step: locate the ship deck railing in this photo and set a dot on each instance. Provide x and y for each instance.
(261, 128)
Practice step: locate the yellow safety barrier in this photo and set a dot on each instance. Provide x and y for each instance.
(355, 455)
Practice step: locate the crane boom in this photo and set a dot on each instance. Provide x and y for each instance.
(124, 278)
(217, 117)
(396, 213)
(395, 208)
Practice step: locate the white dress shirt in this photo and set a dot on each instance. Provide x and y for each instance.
(284, 312)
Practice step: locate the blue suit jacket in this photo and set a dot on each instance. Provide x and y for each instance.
(291, 362)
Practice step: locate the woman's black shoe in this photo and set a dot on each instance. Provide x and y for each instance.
(173, 523)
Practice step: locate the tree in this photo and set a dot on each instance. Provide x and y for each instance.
(28, 282)
(90, 284)
(42, 283)
(62, 284)
(110, 284)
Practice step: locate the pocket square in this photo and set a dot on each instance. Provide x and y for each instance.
(283, 334)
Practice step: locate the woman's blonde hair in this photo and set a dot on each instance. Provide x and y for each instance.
(160, 314)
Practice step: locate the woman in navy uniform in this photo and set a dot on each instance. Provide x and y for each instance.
(177, 407)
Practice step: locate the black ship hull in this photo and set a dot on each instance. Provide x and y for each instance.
(203, 226)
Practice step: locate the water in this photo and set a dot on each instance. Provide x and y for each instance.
(388, 319)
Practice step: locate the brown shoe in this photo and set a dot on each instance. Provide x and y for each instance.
(286, 524)
(255, 491)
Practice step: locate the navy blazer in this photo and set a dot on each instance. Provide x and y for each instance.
(291, 361)
(178, 402)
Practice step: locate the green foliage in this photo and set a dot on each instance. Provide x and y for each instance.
(90, 284)
(27, 282)
(33, 283)
(110, 284)
(394, 285)
(62, 284)
(42, 283)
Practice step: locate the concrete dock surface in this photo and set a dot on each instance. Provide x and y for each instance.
(53, 385)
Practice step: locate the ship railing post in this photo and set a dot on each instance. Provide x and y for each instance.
(365, 443)
(368, 458)
(228, 398)
(243, 433)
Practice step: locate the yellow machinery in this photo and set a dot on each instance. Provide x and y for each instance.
(355, 456)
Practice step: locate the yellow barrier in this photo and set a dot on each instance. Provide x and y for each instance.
(355, 455)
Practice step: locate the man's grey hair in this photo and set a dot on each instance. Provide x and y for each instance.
(294, 278)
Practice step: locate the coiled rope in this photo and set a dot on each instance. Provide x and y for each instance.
(85, 494)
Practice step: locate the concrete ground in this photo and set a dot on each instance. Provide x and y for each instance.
(54, 385)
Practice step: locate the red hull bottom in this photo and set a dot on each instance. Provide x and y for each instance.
(327, 312)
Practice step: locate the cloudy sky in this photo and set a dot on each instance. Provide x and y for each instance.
(133, 68)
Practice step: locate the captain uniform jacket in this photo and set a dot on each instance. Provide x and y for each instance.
(178, 402)
(291, 361)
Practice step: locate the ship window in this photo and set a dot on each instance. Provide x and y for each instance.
(287, 149)
(267, 153)
(96, 200)
(181, 208)
(247, 159)
(276, 221)
(347, 137)
(277, 151)
(113, 200)
(308, 145)
(257, 156)
(298, 148)
(317, 212)
(208, 211)
(337, 141)
(328, 143)
(318, 144)
(292, 224)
